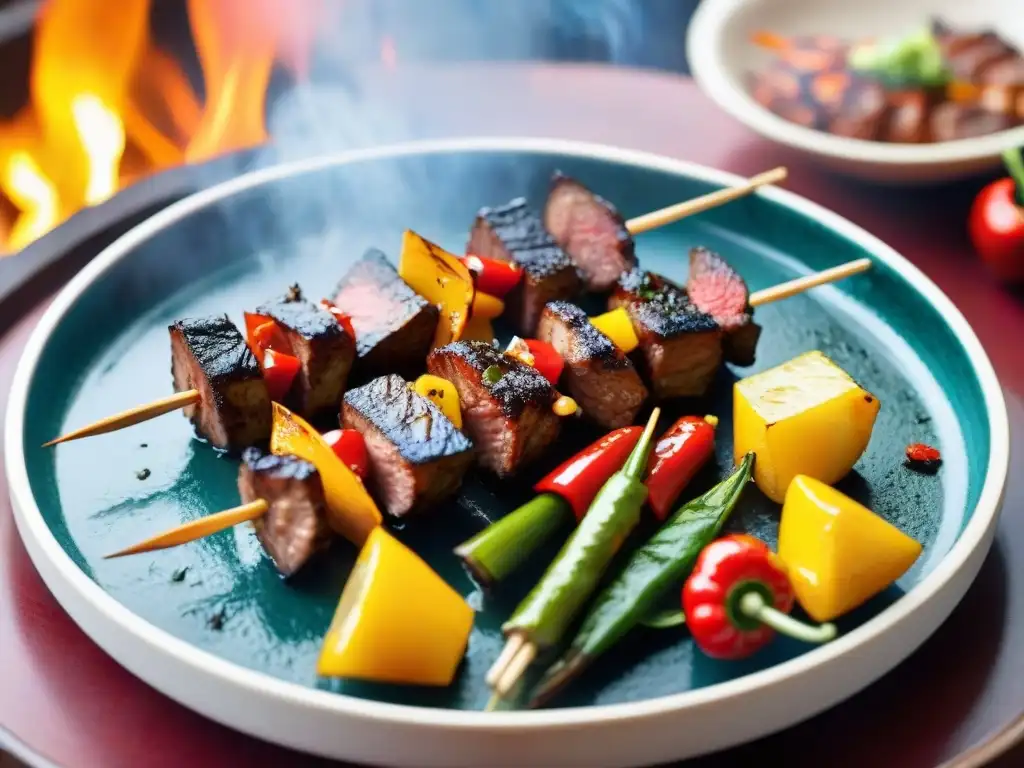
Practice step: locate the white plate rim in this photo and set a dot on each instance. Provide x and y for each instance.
(47, 553)
(704, 54)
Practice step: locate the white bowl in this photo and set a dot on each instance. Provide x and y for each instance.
(721, 55)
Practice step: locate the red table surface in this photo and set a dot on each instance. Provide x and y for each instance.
(64, 698)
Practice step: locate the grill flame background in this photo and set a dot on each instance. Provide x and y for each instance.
(107, 106)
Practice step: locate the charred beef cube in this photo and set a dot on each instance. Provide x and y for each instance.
(951, 121)
(510, 421)
(717, 289)
(681, 346)
(294, 526)
(324, 349)
(417, 456)
(591, 231)
(394, 325)
(208, 354)
(597, 373)
(513, 232)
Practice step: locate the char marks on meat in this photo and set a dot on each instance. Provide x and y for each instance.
(510, 421)
(295, 524)
(514, 232)
(597, 374)
(681, 347)
(717, 289)
(417, 456)
(591, 231)
(394, 325)
(208, 354)
(324, 349)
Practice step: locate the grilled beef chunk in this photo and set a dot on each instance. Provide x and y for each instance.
(417, 456)
(209, 354)
(324, 349)
(681, 346)
(510, 421)
(513, 232)
(295, 524)
(591, 231)
(597, 374)
(718, 290)
(394, 325)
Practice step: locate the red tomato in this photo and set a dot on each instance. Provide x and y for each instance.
(349, 446)
(279, 370)
(546, 360)
(996, 224)
(493, 276)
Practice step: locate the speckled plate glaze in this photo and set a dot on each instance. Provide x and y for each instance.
(212, 624)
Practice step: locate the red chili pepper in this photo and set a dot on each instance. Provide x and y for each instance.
(279, 370)
(923, 457)
(996, 222)
(738, 596)
(343, 318)
(493, 276)
(580, 478)
(546, 360)
(349, 446)
(677, 456)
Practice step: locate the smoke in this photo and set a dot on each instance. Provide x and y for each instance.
(346, 97)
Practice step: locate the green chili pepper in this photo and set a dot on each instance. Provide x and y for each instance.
(491, 375)
(501, 547)
(660, 564)
(548, 611)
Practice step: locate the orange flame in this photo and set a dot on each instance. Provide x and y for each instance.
(107, 106)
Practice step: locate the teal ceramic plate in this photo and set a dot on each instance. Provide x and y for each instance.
(212, 624)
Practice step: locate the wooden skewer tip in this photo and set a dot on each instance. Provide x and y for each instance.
(515, 669)
(196, 529)
(132, 416)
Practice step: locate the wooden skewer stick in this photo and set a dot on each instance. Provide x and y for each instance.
(197, 529)
(132, 416)
(504, 658)
(515, 669)
(801, 284)
(673, 213)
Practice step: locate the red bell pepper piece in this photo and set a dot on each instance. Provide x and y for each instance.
(677, 456)
(547, 361)
(349, 446)
(996, 222)
(343, 318)
(580, 478)
(493, 276)
(279, 370)
(262, 333)
(738, 596)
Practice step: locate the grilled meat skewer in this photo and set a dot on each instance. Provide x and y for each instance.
(513, 232)
(210, 357)
(680, 346)
(717, 289)
(417, 456)
(591, 231)
(324, 349)
(394, 325)
(597, 374)
(506, 405)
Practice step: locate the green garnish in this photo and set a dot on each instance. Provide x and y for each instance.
(492, 375)
(915, 60)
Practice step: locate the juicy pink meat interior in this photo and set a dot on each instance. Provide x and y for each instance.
(588, 233)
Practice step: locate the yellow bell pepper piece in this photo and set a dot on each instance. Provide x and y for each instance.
(440, 278)
(804, 417)
(478, 329)
(617, 326)
(397, 620)
(441, 393)
(486, 307)
(353, 513)
(838, 552)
